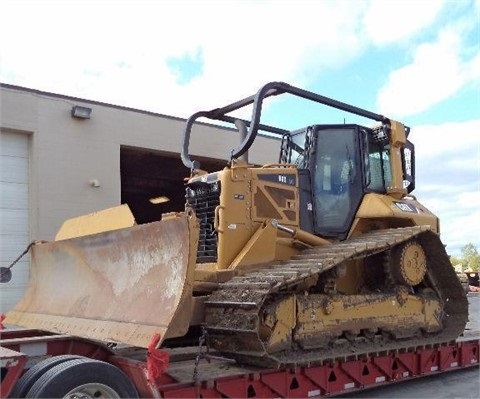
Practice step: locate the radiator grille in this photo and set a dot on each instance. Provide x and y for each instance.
(203, 199)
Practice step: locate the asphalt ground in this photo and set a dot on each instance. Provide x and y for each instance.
(459, 384)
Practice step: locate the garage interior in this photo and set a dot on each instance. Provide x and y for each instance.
(148, 174)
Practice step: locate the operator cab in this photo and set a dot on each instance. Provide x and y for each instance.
(337, 164)
(343, 163)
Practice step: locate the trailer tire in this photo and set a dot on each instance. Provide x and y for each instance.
(27, 380)
(83, 378)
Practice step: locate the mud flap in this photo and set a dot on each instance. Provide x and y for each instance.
(117, 286)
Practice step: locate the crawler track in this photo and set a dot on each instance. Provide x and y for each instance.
(234, 311)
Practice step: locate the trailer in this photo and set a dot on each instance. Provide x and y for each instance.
(313, 275)
(36, 363)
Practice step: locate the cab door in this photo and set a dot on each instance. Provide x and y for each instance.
(336, 179)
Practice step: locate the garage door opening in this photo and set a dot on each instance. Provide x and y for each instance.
(152, 182)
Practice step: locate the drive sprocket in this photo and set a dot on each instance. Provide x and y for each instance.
(408, 263)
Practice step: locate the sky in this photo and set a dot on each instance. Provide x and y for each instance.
(416, 61)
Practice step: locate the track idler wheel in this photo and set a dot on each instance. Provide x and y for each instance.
(408, 263)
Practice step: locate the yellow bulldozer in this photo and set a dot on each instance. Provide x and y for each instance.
(325, 253)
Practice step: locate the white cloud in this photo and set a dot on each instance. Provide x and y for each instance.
(117, 51)
(439, 140)
(458, 230)
(448, 179)
(438, 71)
(390, 21)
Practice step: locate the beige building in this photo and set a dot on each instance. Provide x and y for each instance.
(55, 165)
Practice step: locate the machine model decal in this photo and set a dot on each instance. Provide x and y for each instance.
(289, 179)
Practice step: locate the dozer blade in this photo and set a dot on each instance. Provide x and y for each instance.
(117, 286)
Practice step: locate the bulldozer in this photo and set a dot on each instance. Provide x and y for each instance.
(321, 254)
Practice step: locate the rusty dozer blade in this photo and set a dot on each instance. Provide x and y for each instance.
(117, 286)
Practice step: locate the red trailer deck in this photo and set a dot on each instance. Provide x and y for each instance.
(180, 373)
(28, 356)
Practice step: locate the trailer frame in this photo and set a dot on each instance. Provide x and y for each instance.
(169, 374)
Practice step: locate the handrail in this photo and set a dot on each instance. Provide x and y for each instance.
(268, 90)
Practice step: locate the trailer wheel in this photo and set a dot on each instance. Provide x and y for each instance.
(83, 378)
(27, 380)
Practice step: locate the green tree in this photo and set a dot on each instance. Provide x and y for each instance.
(470, 257)
(455, 260)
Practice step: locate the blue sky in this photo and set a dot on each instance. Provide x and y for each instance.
(417, 61)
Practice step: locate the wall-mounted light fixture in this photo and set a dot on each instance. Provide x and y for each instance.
(159, 200)
(81, 112)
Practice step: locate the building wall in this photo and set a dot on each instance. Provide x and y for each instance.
(65, 154)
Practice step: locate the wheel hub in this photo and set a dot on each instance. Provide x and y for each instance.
(91, 391)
